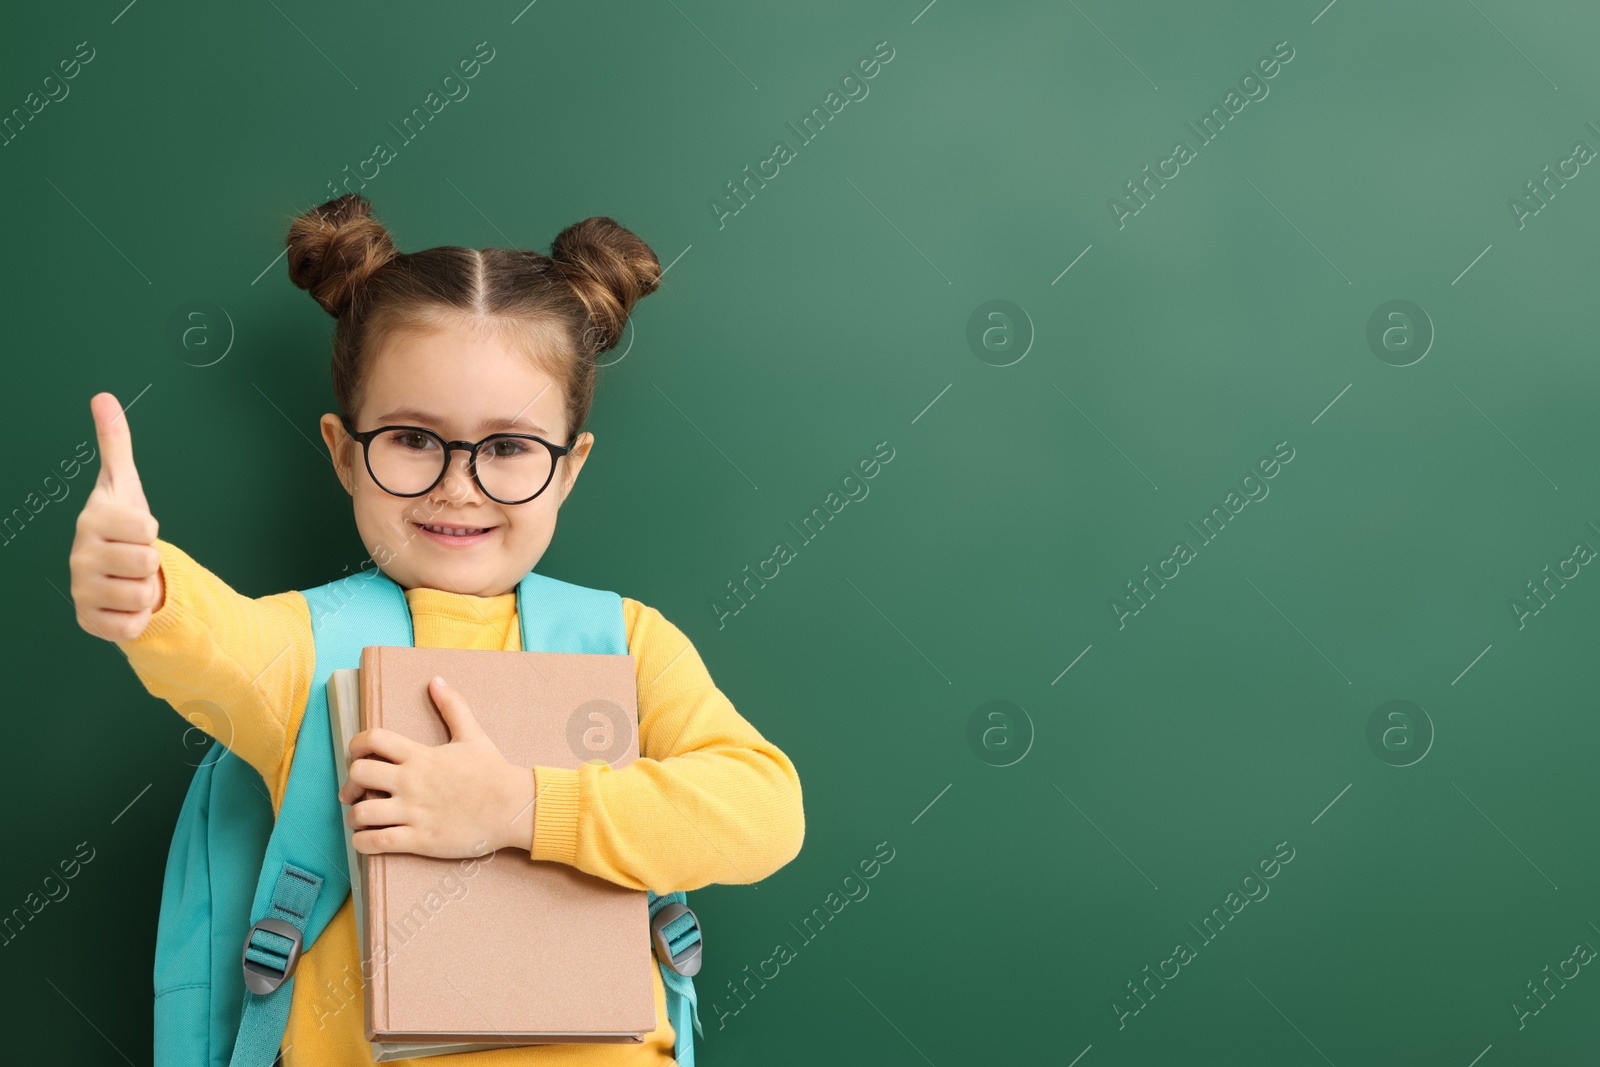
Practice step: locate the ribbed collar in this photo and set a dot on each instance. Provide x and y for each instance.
(462, 606)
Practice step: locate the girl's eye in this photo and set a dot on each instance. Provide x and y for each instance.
(413, 440)
(506, 448)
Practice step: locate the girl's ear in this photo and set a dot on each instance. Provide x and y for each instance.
(338, 442)
(574, 461)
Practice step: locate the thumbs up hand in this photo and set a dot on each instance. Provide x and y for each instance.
(116, 569)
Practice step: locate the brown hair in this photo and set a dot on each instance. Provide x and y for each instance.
(563, 309)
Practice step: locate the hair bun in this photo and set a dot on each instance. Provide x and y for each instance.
(609, 269)
(335, 248)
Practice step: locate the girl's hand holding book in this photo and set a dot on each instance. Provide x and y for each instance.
(444, 800)
(116, 568)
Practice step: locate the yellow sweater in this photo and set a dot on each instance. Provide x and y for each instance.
(709, 799)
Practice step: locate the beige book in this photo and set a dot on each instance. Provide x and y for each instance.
(501, 950)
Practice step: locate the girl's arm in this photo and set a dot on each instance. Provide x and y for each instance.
(708, 800)
(237, 668)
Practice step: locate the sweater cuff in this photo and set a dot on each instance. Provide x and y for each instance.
(171, 615)
(555, 814)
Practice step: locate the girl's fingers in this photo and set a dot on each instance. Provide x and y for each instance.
(394, 747)
(115, 625)
(123, 524)
(121, 594)
(388, 839)
(119, 559)
(453, 708)
(385, 811)
(370, 774)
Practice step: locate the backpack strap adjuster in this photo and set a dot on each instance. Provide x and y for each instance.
(675, 933)
(273, 944)
(271, 950)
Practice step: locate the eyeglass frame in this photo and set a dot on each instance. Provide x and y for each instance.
(470, 447)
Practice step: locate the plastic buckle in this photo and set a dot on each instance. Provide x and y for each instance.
(259, 977)
(687, 962)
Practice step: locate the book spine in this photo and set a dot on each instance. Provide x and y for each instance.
(377, 1007)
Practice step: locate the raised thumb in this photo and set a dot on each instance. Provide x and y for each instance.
(119, 478)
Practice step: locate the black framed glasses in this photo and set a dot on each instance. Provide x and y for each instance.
(511, 468)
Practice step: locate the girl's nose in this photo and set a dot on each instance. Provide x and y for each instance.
(458, 484)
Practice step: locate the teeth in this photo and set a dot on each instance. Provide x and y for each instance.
(453, 533)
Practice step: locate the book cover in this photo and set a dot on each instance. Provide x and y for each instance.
(518, 951)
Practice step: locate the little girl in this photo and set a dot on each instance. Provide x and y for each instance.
(464, 343)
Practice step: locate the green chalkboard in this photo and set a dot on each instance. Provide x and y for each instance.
(1204, 671)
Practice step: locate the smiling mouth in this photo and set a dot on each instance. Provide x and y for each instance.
(454, 531)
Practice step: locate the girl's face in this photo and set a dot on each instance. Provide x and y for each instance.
(463, 384)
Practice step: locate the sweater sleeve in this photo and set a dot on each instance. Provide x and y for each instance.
(708, 800)
(235, 667)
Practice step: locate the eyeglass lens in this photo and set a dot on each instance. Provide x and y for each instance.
(407, 462)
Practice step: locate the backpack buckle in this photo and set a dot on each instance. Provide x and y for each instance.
(675, 926)
(265, 975)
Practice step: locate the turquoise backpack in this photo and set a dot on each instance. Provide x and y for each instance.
(243, 897)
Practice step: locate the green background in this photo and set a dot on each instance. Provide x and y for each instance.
(832, 313)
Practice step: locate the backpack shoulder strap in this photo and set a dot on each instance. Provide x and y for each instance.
(304, 878)
(557, 616)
